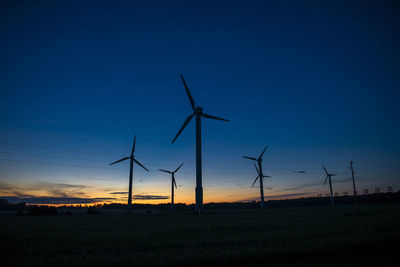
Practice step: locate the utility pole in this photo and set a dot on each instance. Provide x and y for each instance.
(354, 188)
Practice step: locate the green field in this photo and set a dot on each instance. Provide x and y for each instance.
(309, 236)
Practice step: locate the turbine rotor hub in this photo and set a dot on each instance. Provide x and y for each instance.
(199, 110)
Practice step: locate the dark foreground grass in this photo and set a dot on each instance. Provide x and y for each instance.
(309, 236)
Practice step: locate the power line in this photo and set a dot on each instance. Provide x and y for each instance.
(226, 164)
(241, 170)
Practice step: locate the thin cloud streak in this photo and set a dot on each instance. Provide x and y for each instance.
(149, 197)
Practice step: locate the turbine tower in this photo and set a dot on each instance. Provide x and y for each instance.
(132, 158)
(198, 112)
(328, 176)
(354, 187)
(260, 175)
(173, 182)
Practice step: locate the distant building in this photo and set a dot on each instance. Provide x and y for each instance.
(345, 194)
(390, 189)
(377, 190)
(336, 194)
(365, 191)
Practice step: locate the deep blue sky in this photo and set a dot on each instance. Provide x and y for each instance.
(317, 81)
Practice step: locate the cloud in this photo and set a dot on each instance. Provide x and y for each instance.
(4, 187)
(291, 188)
(56, 189)
(149, 197)
(57, 185)
(144, 196)
(56, 200)
(55, 193)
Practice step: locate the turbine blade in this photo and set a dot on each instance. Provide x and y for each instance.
(183, 127)
(119, 160)
(249, 158)
(188, 93)
(262, 153)
(134, 144)
(164, 171)
(255, 181)
(257, 169)
(178, 168)
(325, 169)
(175, 184)
(326, 179)
(267, 176)
(213, 117)
(141, 165)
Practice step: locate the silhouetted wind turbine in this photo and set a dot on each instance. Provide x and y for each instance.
(198, 112)
(354, 187)
(328, 176)
(260, 175)
(172, 183)
(132, 158)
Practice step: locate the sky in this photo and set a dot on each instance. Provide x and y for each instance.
(315, 81)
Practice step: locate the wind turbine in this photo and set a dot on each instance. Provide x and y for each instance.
(172, 183)
(328, 176)
(354, 187)
(132, 158)
(198, 112)
(260, 175)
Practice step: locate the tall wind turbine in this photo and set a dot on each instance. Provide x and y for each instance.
(198, 112)
(172, 183)
(260, 175)
(132, 158)
(354, 187)
(328, 176)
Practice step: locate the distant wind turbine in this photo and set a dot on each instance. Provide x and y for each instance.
(260, 175)
(198, 112)
(173, 183)
(328, 176)
(132, 158)
(354, 187)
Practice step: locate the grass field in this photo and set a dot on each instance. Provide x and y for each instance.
(308, 236)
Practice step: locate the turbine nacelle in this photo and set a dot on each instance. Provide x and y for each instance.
(199, 110)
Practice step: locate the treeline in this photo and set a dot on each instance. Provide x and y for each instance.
(299, 202)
